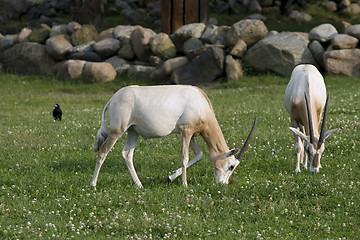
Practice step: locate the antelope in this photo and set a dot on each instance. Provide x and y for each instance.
(157, 111)
(305, 97)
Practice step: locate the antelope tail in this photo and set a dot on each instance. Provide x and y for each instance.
(103, 132)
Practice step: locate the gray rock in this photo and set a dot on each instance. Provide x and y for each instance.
(209, 30)
(345, 61)
(343, 41)
(11, 10)
(98, 72)
(233, 68)
(192, 47)
(248, 30)
(193, 30)
(126, 51)
(140, 71)
(122, 32)
(132, 15)
(204, 69)
(254, 7)
(58, 45)
(354, 31)
(116, 62)
(58, 29)
(73, 27)
(87, 56)
(8, 41)
(279, 53)
(238, 6)
(162, 46)
(329, 6)
(300, 16)
(351, 10)
(107, 47)
(317, 51)
(27, 58)
(140, 41)
(121, 4)
(86, 47)
(256, 16)
(70, 69)
(219, 35)
(323, 33)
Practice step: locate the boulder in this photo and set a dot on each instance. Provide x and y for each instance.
(12, 10)
(107, 47)
(279, 53)
(27, 58)
(140, 71)
(193, 30)
(193, 47)
(343, 41)
(58, 45)
(162, 46)
(73, 27)
(140, 41)
(317, 51)
(58, 29)
(233, 68)
(248, 30)
(344, 61)
(238, 7)
(40, 34)
(86, 56)
(108, 33)
(7, 42)
(117, 62)
(329, 6)
(206, 68)
(23, 35)
(300, 16)
(126, 51)
(94, 72)
(351, 10)
(323, 33)
(205, 37)
(122, 32)
(168, 67)
(239, 49)
(86, 33)
(353, 30)
(70, 69)
(86, 47)
(218, 36)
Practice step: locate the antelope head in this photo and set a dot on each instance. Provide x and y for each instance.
(314, 147)
(223, 171)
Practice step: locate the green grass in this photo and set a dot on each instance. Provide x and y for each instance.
(46, 168)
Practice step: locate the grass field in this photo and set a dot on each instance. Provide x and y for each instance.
(46, 168)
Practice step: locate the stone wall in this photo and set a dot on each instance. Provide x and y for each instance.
(194, 54)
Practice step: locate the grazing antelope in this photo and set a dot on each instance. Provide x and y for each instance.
(305, 97)
(157, 111)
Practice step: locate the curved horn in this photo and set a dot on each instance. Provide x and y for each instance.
(241, 153)
(322, 132)
(309, 118)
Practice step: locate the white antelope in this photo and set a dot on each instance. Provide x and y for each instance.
(157, 111)
(305, 97)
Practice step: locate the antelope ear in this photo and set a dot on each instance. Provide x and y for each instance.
(328, 133)
(300, 134)
(232, 152)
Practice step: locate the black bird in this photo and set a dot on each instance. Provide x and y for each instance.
(57, 113)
